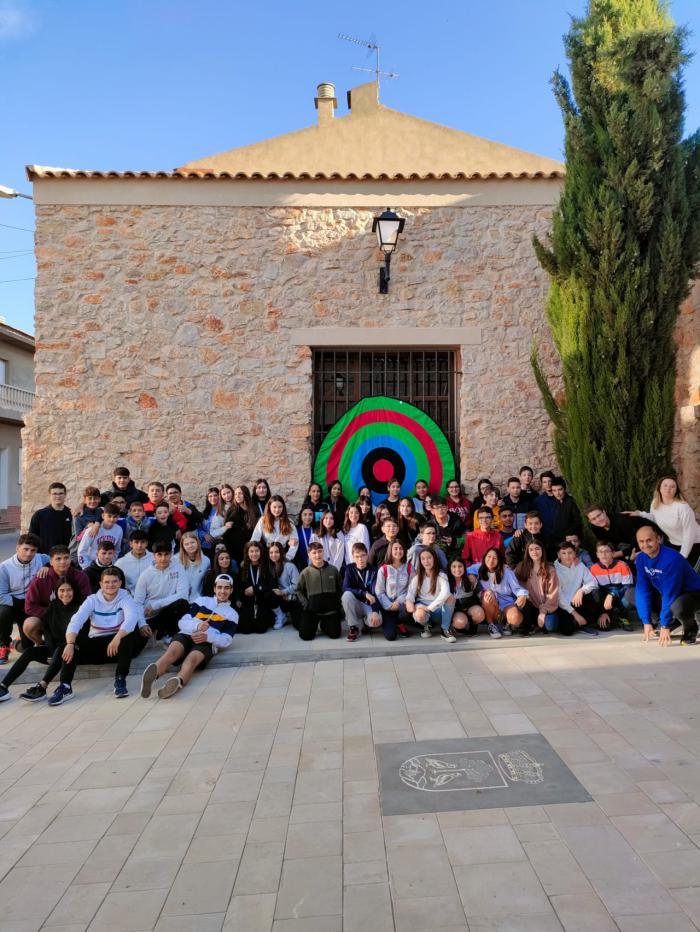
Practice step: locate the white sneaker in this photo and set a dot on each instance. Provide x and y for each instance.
(506, 631)
(494, 631)
(279, 620)
(426, 632)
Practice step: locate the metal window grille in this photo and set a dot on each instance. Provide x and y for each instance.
(425, 378)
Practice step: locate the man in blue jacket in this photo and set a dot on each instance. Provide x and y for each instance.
(667, 587)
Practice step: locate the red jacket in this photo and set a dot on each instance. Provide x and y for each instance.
(40, 591)
(477, 543)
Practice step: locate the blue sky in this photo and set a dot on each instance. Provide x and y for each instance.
(150, 84)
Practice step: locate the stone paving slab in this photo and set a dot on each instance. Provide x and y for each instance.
(251, 801)
(476, 773)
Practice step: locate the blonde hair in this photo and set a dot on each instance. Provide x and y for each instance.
(184, 556)
(657, 499)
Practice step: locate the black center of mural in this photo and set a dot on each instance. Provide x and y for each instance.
(381, 465)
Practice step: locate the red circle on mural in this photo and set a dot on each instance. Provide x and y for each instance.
(383, 470)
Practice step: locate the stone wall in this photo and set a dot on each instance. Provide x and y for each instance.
(163, 335)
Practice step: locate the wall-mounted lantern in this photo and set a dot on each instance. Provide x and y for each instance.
(388, 227)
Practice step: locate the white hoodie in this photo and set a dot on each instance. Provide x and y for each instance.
(158, 588)
(132, 568)
(106, 618)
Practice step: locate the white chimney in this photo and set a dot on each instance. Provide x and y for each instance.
(326, 102)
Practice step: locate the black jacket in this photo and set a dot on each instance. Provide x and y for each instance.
(130, 493)
(622, 532)
(565, 517)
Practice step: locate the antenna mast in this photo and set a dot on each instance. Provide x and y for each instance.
(373, 47)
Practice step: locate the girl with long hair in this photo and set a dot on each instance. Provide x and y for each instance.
(482, 486)
(221, 562)
(332, 540)
(428, 592)
(336, 502)
(67, 599)
(314, 500)
(458, 503)
(540, 578)
(226, 493)
(213, 518)
(393, 488)
(276, 526)
(391, 590)
(675, 517)
(464, 606)
(285, 576)
(255, 599)
(364, 503)
(193, 563)
(261, 494)
(375, 532)
(305, 533)
(419, 493)
(409, 522)
(354, 531)
(242, 516)
(501, 595)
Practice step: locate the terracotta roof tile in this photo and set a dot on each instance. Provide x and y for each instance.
(40, 171)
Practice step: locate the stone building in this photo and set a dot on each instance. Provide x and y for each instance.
(16, 398)
(213, 322)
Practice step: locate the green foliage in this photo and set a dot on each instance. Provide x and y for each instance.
(625, 241)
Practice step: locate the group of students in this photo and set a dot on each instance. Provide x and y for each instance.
(129, 565)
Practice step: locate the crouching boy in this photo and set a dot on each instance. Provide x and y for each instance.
(359, 600)
(208, 627)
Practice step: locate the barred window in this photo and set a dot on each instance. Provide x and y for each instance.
(425, 378)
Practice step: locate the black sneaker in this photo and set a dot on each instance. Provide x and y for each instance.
(688, 639)
(4, 693)
(447, 634)
(34, 693)
(403, 631)
(353, 633)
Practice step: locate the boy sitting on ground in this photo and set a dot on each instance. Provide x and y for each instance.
(208, 627)
(614, 578)
(359, 600)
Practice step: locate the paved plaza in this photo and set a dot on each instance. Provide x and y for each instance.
(251, 800)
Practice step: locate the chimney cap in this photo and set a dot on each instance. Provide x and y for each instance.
(326, 91)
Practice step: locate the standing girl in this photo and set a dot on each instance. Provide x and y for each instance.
(243, 516)
(337, 503)
(409, 523)
(213, 520)
(276, 526)
(354, 531)
(391, 502)
(314, 501)
(675, 517)
(261, 494)
(458, 502)
(364, 503)
(305, 532)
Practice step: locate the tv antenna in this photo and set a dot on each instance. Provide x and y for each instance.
(373, 47)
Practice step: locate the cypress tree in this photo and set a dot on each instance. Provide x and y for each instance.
(624, 243)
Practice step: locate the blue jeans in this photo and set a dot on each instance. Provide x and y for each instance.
(442, 615)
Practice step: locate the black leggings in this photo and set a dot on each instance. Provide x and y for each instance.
(12, 615)
(94, 650)
(391, 621)
(34, 654)
(693, 556)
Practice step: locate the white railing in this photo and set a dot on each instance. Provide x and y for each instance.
(16, 399)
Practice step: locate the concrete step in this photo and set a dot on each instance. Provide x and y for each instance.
(285, 646)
